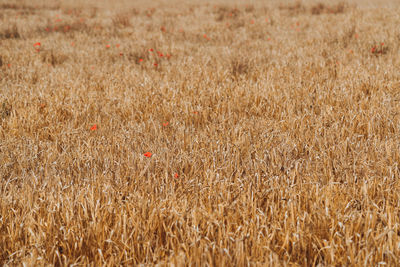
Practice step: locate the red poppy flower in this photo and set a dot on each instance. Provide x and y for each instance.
(94, 127)
(148, 154)
(108, 46)
(37, 44)
(176, 175)
(165, 124)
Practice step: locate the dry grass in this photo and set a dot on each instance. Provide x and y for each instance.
(280, 120)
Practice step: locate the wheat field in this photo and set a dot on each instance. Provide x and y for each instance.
(194, 133)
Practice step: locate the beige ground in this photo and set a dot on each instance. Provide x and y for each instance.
(273, 126)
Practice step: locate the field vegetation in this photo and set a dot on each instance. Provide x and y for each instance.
(219, 133)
